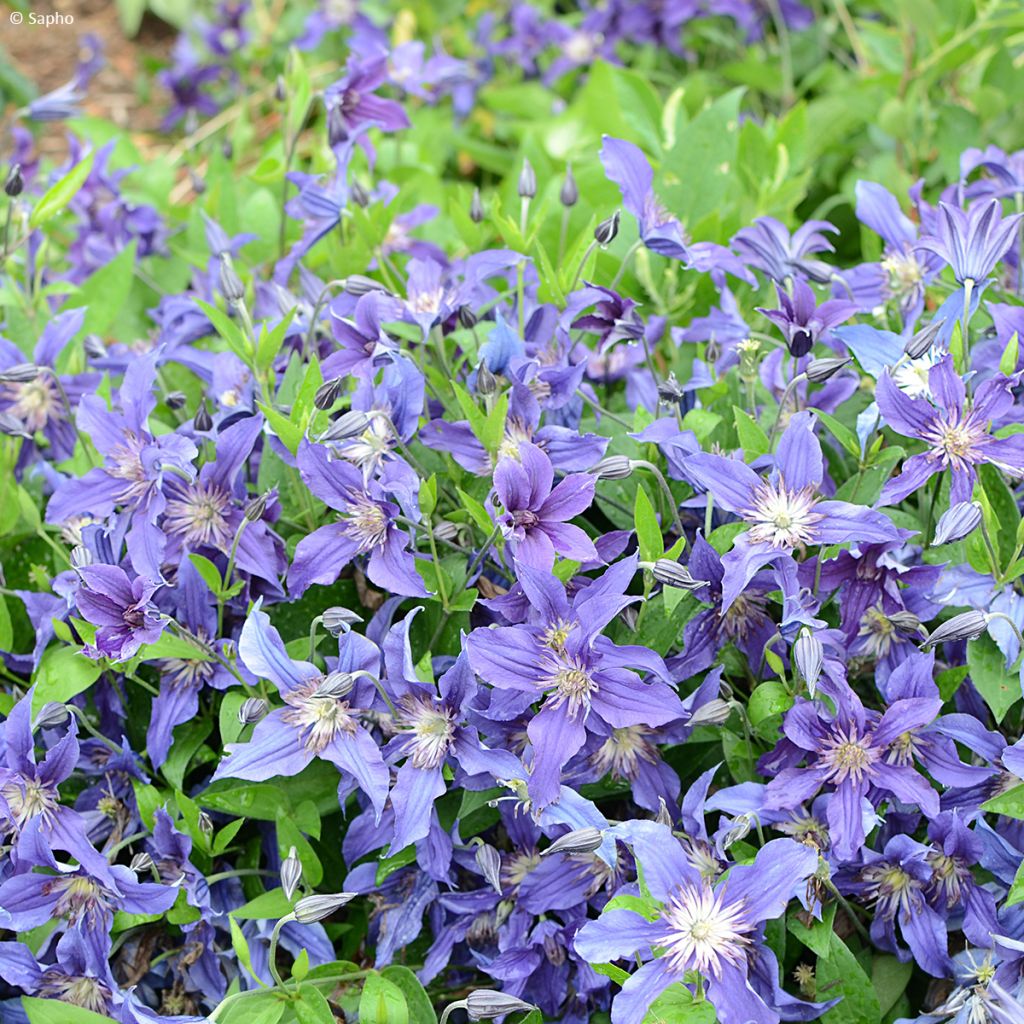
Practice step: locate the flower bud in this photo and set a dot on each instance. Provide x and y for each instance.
(613, 467)
(809, 655)
(335, 685)
(205, 823)
(15, 184)
(488, 860)
(359, 195)
(669, 390)
(348, 425)
(715, 712)
(446, 530)
(231, 286)
(467, 318)
(280, 89)
(252, 710)
(203, 421)
(360, 284)
(13, 427)
(228, 149)
(907, 623)
(569, 194)
(486, 382)
(337, 130)
(291, 874)
(739, 829)
(483, 1004)
(664, 816)
(52, 714)
(965, 626)
(255, 509)
(924, 339)
(141, 863)
(339, 620)
(476, 207)
(820, 370)
(672, 574)
(311, 909)
(800, 342)
(80, 556)
(579, 840)
(94, 347)
(957, 522)
(527, 187)
(606, 231)
(175, 399)
(23, 373)
(327, 394)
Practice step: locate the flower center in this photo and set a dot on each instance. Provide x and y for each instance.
(88, 993)
(197, 515)
(368, 522)
(526, 518)
(556, 635)
(621, 754)
(34, 402)
(781, 518)
(956, 439)
(849, 757)
(571, 684)
(28, 799)
(318, 719)
(905, 272)
(81, 897)
(702, 932)
(891, 888)
(126, 464)
(432, 731)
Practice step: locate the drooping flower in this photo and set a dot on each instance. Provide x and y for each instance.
(769, 247)
(802, 321)
(121, 609)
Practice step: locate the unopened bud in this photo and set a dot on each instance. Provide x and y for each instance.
(579, 840)
(280, 89)
(921, 342)
(527, 181)
(328, 393)
(606, 231)
(52, 714)
(339, 620)
(809, 655)
(467, 318)
(175, 399)
(349, 424)
(957, 522)
(715, 712)
(669, 390)
(252, 710)
(228, 149)
(15, 184)
(311, 909)
(337, 130)
(488, 860)
(663, 817)
(13, 427)
(672, 574)
(569, 194)
(613, 467)
(335, 685)
(80, 556)
(483, 1004)
(360, 196)
(255, 509)
(205, 823)
(486, 382)
(23, 373)
(476, 207)
(907, 623)
(965, 626)
(360, 284)
(739, 829)
(231, 286)
(203, 421)
(141, 863)
(820, 370)
(291, 874)
(94, 347)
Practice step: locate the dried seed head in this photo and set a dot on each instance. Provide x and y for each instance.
(579, 840)
(488, 860)
(311, 909)
(569, 194)
(606, 232)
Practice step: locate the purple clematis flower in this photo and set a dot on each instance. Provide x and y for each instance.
(700, 927)
(310, 725)
(769, 247)
(972, 242)
(785, 510)
(851, 750)
(625, 164)
(536, 516)
(802, 321)
(366, 526)
(585, 681)
(957, 431)
(354, 94)
(122, 610)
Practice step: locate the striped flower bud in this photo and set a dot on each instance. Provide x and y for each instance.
(338, 620)
(327, 394)
(252, 710)
(527, 186)
(924, 339)
(606, 232)
(347, 425)
(569, 195)
(579, 840)
(483, 1004)
(23, 373)
(957, 522)
(488, 860)
(965, 626)
(335, 685)
(311, 909)
(291, 873)
(476, 207)
(672, 574)
(809, 656)
(820, 370)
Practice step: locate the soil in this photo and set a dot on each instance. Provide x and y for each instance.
(124, 91)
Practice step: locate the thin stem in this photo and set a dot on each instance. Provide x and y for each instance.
(603, 411)
(272, 952)
(333, 979)
(92, 730)
(583, 263)
(666, 490)
(630, 252)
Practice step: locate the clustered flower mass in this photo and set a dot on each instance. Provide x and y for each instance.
(497, 519)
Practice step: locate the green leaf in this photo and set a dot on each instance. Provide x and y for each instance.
(770, 698)
(300, 968)
(677, 1006)
(890, 978)
(648, 530)
(421, 1010)
(1008, 361)
(105, 292)
(209, 572)
(62, 673)
(268, 906)
(382, 1002)
(477, 511)
(1010, 803)
(58, 195)
(753, 440)
(312, 1007)
(240, 945)
(842, 433)
(1016, 894)
(840, 974)
(6, 629)
(997, 686)
(188, 738)
(56, 1011)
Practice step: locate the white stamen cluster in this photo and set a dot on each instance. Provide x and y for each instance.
(320, 719)
(703, 932)
(782, 518)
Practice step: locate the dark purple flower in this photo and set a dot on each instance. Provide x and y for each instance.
(535, 516)
(802, 321)
(121, 609)
(354, 95)
(769, 247)
(956, 430)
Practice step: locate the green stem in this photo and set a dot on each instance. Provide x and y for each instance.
(333, 979)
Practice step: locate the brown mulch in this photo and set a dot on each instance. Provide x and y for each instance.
(123, 92)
